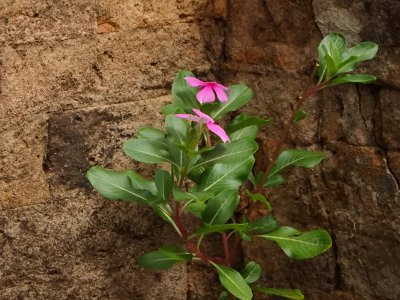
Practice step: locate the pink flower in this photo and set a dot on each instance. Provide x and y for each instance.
(206, 119)
(208, 90)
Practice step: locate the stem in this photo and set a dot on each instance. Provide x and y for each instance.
(199, 240)
(308, 91)
(177, 220)
(207, 136)
(226, 249)
(186, 205)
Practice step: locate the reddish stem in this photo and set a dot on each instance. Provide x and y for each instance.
(309, 91)
(226, 249)
(178, 222)
(190, 245)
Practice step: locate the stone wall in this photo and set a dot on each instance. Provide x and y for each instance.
(79, 77)
(355, 193)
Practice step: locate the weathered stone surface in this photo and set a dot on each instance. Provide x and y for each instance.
(30, 21)
(83, 249)
(22, 179)
(355, 194)
(37, 79)
(366, 20)
(390, 111)
(75, 142)
(77, 78)
(269, 36)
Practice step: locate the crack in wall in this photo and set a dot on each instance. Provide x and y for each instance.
(380, 143)
(360, 106)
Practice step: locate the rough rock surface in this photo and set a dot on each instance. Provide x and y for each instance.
(355, 192)
(79, 77)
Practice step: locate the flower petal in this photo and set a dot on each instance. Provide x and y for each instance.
(222, 87)
(194, 82)
(189, 117)
(218, 131)
(206, 95)
(221, 94)
(203, 116)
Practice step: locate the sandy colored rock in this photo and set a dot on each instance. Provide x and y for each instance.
(77, 78)
(83, 249)
(63, 75)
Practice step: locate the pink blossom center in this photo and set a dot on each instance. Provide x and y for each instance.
(211, 84)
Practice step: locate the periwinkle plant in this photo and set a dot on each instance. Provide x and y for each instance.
(209, 174)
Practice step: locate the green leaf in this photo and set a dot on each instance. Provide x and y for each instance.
(220, 228)
(353, 56)
(184, 96)
(238, 96)
(264, 225)
(245, 133)
(256, 179)
(163, 182)
(172, 108)
(335, 49)
(197, 209)
(332, 46)
(116, 185)
(140, 183)
(244, 236)
(223, 295)
(151, 133)
(196, 174)
(222, 177)
(164, 211)
(252, 179)
(195, 196)
(177, 128)
(306, 245)
(299, 115)
(286, 293)
(220, 208)
(178, 156)
(177, 141)
(331, 66)
(251, 272)
(261, 198)
(243, 121)
(164, 258)
(274, 180)
(233, 282)
(285, 231)
(228, 153)
(296, 157)
(355, 78)
(147, 151)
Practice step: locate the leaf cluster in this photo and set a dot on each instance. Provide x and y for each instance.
(336, 61)
(205, 178)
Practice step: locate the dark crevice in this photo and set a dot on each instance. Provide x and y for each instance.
(337, 273)
(337, 277)
(379, 140)
(391, 171)
(320, 122)
(45, 162)
(360, 106)
(275, 28)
